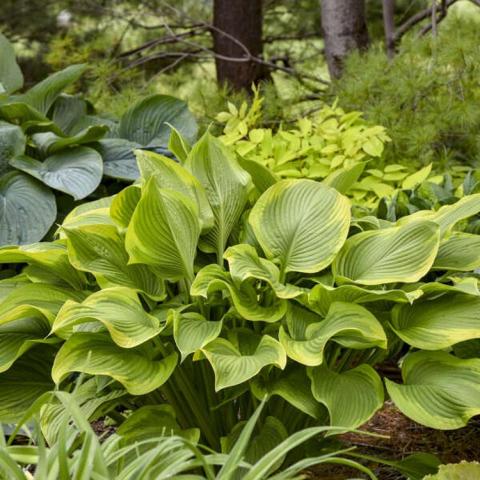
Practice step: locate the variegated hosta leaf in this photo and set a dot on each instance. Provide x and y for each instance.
(164, 232)
(439, 390)
(51, 257)
(118, 309)
(244, 263)
(96, 354)
(231, 367)
(124, 204)
(193, 331)
(351, 397)
(322, 296)
(178, 145)
(460, 252)
(348, 324)
(438, 323)
(213, 278)
(301, 224)
(396, 254)
(172, 176)
(99, 249)
(226, 185)
(468, 285)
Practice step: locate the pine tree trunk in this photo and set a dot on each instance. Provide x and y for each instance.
(344, 29)
(237, 33)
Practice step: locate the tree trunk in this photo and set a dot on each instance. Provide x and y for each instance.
(237, 35)
(344, 29)
(389, 26)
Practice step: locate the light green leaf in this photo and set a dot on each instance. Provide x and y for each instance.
(226, 185)
(416, 178)
(192, 331)
(395, 254)
(456, 471)
(118, 309)
(164, 232)
(99, 249)
(27, 210)
(438, 323)
(178, 145)
(76, 171)
(11, 77)
(348, 324)
(301, 224)
(95, 354)
(439, 390)
(262, 177)
(124, 204)
(351, 397)
(344, 178)
(459, 252)
(232, 368)
(12, 142)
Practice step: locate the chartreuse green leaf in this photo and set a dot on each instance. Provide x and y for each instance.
(99, 249)
(322, 296)
(95, 354)
(344, 178)
(178, 145)
(395, 254)
(456, 471)
(351, 397)
(262, 177)
(164, 232)
(348, 324)
(226, 185)
(301, 224)
(213, 278)
(193, 331)
(124, 204)
(460, 252)
(438, 323)
(170, 175)
(233, 367)
(468, 285)
(11, 77)
(244, 263)
(118, 309)
(439, 390)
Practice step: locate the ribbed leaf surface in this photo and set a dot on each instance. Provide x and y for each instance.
(459, 252)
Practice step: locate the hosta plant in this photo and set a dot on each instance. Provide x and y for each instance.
(204, 288)
(53, 150)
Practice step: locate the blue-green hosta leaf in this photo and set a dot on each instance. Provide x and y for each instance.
(27, 210)
(193, 331)
(118, 158)
(301, 224)
(95, 354)
(226, 185)
(12, 143)
(213, 278)
(456, 471)
(178, 145)
(244, 263)
(67, 111)
(164, 232)
(118, 309)
(348, 324)
(395, 254)
(11, 77)
(154, 421)
(49, 143)
(322, 296)
(232, 368)
(124, 204)
(77, 171)
(459, 252)
(172, 176)
(99, 249)
(439, 390)
(351, 397)
(438, 323)
(147, 122)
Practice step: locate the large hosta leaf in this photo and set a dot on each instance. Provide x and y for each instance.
(395, 254)
(301, 224)
(439, 390)
(67, 111)
(231, 367)
(99, 249)
(213, 278)
(351, 397)
(164, 232)
(12, 143)
(11, 77)
(77, 171)
(118, 158)
(438, 323)
(124, 204)
(348, 324)
(27, 210)
(460, 252)
(96, 354)
(147, 122)
(118, 309)
(226, 185)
